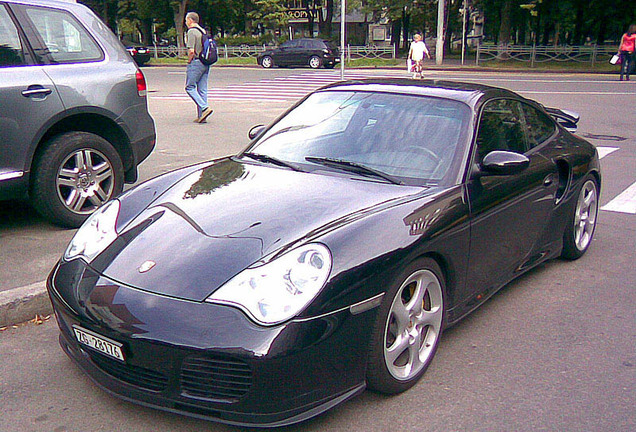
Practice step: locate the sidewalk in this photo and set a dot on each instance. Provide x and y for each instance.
(22, 304)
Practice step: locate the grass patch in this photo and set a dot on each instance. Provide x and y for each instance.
(550, 66)
(176, 61)
(375, 62)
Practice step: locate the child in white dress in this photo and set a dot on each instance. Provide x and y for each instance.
(416, 54)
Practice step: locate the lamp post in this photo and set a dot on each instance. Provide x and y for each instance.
(439, 46)
(343, 13)
(464, 32)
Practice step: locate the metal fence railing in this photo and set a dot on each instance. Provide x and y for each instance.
(352, 52)
(540, 54)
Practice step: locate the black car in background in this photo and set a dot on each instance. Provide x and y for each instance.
(301, 52)
(140, 53)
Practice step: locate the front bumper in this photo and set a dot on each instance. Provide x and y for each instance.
(209, 361)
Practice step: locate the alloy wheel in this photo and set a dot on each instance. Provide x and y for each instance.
(585, 215)
(85, 181)
(414, 325)
(314, 62)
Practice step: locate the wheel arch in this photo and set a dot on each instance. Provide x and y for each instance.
(97, 124)
(448, 273)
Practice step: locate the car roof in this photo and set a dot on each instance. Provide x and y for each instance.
(469, 93)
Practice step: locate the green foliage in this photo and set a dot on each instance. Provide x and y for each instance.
(539, 21)
(271, 13)
(265, 39)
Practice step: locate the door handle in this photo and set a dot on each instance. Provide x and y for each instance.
(36, 90)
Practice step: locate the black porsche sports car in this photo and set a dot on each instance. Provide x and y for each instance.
(329, 256)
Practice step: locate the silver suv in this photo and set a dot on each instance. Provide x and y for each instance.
(74, 121)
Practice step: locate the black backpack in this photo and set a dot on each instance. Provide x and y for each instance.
(209, 53)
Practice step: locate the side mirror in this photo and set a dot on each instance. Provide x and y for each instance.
(503, 163)
(256, 131)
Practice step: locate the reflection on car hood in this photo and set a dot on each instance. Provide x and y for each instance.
(219, 220)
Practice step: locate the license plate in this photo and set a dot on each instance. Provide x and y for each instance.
(99, 343)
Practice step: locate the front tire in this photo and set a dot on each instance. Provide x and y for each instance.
(408, 329)
(267, 62)
(582, 223)
(74, 174)
(315, 62)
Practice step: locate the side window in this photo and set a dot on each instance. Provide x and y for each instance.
(289, 44)
(11, 51)
(65, 38)
(500, 128)
(539, 127)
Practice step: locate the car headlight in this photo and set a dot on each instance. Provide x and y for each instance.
(279, 290)
(95, 234)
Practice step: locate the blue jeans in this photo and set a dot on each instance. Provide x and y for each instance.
(197, 84)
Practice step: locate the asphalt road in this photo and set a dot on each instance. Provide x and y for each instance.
(555, 350)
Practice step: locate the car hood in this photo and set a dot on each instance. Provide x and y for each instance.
(218, 220)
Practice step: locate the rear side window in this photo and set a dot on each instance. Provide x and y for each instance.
(539, 126)
(289, 44)
(11, 51)
(66, 40)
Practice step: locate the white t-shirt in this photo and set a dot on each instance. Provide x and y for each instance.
(418, 49)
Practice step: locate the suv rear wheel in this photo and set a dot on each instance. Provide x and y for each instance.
(75, 173)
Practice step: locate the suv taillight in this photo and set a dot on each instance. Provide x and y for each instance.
(141, 83)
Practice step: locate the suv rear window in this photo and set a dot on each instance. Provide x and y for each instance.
(65, 38)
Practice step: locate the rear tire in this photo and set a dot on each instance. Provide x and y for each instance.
(73, 175)
(267, 62)
(582, 222)
(408, 328)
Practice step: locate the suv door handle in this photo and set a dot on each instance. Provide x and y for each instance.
(36, 90)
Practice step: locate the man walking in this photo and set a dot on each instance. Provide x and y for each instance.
(196, 71)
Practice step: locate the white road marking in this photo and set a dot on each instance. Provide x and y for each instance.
(604, 151)
(585, 93)
(624, 203)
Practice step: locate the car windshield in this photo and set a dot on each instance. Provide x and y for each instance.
(416, 139)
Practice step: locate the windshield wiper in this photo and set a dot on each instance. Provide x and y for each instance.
(353, 167)
(272, 160)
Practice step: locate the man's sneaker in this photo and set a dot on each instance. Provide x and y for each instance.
(205, 114)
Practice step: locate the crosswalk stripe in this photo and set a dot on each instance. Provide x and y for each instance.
(623, 203)
(281, 89)
(604, 151)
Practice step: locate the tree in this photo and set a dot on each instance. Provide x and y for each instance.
(271, 13)
(179, 12)
(325, 22)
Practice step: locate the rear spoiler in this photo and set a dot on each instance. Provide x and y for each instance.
(567, 119)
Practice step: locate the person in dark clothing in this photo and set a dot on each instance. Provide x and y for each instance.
(626, 51)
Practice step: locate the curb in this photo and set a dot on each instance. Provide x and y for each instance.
(22, 304)
(450, 67)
